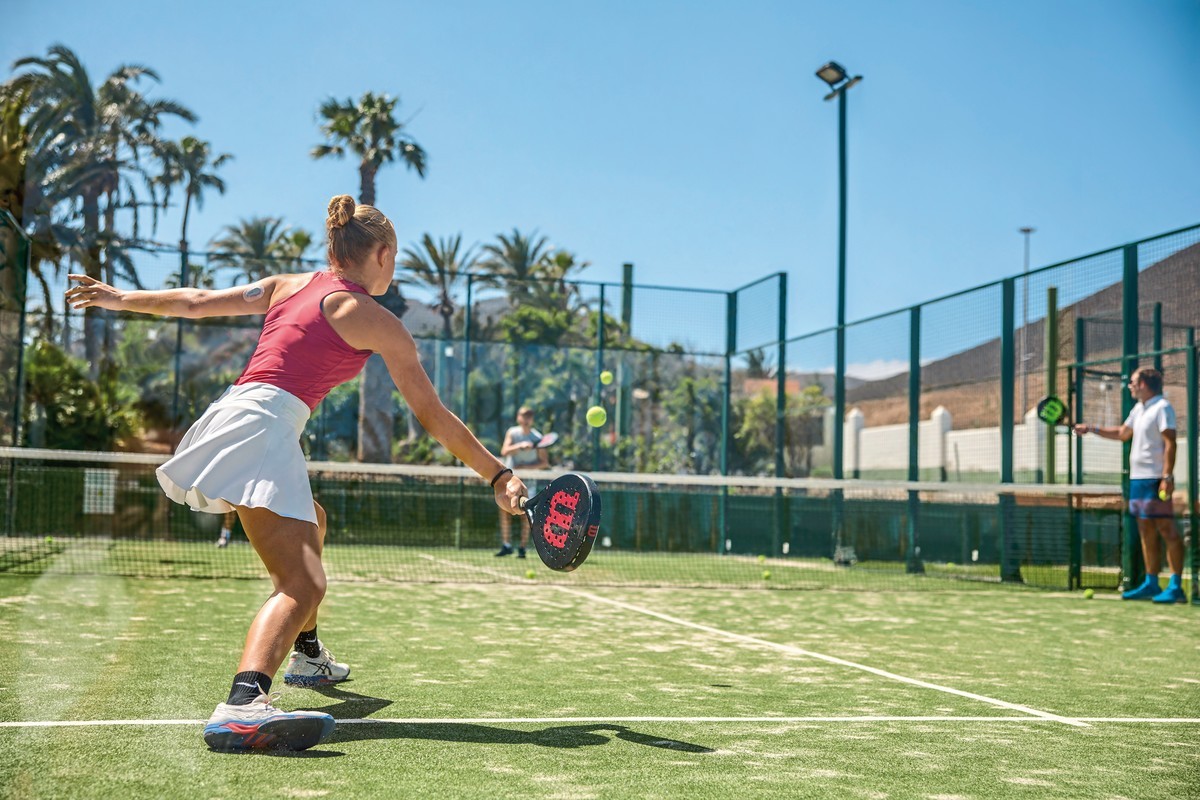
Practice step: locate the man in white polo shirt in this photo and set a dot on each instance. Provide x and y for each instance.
(1151, 426)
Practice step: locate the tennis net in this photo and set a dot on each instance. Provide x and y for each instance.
(75, 512)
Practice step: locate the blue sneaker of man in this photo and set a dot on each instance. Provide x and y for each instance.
(1172, 594)
(261, 726)
(505, 550)
(1147, 591)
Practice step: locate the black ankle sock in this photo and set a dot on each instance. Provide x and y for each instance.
(307, 643)
(247, 686)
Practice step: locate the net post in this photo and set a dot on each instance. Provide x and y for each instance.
(1193, 444)
(1132, 567)
(1010, 562)
(912, 558)
(595, 434)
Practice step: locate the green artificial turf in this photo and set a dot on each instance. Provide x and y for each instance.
(457, 663)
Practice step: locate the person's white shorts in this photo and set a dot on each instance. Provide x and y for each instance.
(244, 451)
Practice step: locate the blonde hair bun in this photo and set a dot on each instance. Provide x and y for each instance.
(341, 211)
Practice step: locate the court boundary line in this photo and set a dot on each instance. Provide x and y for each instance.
(800, 651)
(1025, 719)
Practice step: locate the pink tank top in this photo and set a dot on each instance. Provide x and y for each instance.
(299, 351)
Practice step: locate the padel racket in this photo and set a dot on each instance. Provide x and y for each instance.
(546, 441)
(1053, 411)
(564, 518)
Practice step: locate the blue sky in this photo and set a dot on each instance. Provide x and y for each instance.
(691, 138)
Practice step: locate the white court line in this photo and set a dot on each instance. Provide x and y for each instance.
(787, 648)
(89, 723)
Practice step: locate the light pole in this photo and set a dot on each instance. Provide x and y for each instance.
(839, 82)
(1025, 326)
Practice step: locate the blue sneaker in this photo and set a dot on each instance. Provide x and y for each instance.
(261, 726)
(1172, 594)
(1147, 591)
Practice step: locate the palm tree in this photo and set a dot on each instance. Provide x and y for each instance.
(516, 261)
(293, 247)
(187, 163)
(255, 247)
(369, 130)
(439, 267)
(88, 142)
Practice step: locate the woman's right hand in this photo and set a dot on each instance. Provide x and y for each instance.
(509, 494)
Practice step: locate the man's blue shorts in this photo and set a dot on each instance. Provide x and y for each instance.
(1144, 502)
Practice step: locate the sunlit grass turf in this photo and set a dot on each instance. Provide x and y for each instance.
(114, 648)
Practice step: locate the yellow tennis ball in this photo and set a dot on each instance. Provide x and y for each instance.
(766, 574)
(596, 416)
(1088, 594)
(1162, 494)
(530, 574)
(761, 559)
(606, 377)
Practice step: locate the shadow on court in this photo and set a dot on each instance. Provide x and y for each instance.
(350, 705)
(562, 736)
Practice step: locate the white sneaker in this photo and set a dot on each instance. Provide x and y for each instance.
(320, 671)
(261, 726)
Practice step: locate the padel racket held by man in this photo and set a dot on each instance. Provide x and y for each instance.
(1053, 411)
(564, 519)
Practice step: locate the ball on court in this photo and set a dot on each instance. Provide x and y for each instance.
(766, 574)
(49, 540)
(596, 416)
(762, 559)
(1162, 494)
(606, 377)
(530, 574)
(1088, 594)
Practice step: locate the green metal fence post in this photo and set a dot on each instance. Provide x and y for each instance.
(1075, 569)
(1051, 361)
(726, 409)
(1010, 563)
(1193, 445)
(912, 558)
(466, 369)
(176, 414)
(1132, 567)
(595, 435)
(624, 393)
(1158, 344)
(782, 516)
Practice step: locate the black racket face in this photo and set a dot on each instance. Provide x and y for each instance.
(1051, 410)
(565, 518)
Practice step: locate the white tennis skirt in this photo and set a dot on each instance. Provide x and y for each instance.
(244, 451)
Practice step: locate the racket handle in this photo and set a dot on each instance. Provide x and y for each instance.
(523, 501)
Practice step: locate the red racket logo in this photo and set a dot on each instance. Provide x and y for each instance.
(560, 516)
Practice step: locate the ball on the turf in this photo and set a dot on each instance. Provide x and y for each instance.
(606, 377)
(766, 574)
(530, 574)
(596, 416)
(49, 540)
(761, 559)
(1088, 594)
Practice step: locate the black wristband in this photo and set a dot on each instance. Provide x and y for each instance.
(499, 475)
